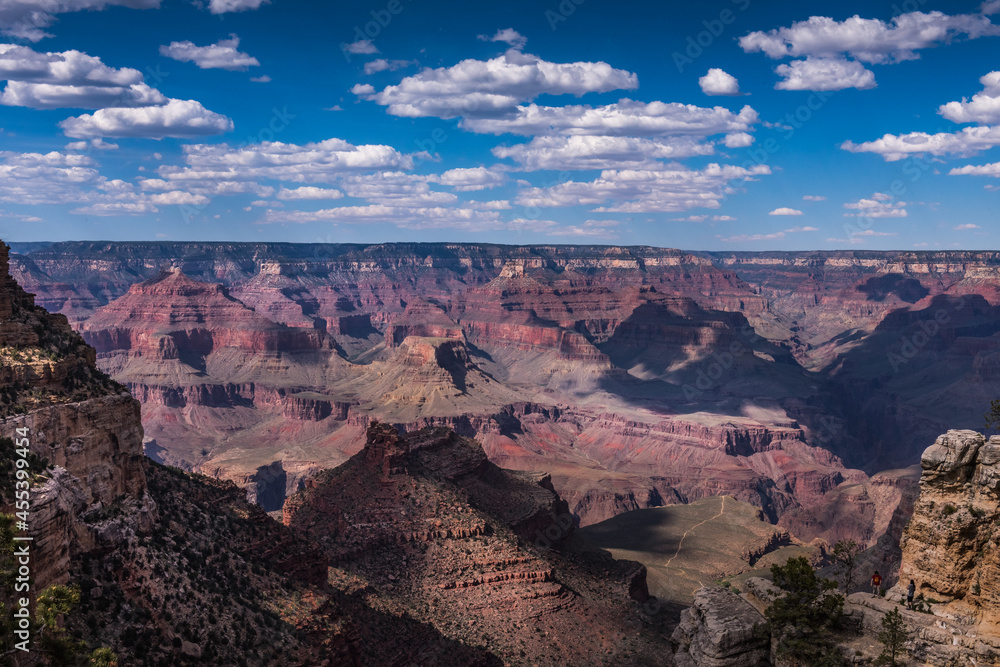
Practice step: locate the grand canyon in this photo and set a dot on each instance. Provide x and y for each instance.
(635, 377)
(448, 430)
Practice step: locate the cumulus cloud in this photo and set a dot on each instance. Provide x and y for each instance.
(261, 79)
(177, 118)
(894, 147)
(598, 152)
(965, 227)
(813, 198)
(69, 79)
(383, 65)
(508, 35)
(317, 162)
(224, 54)
(310, 192)
(178, 197)
(45, 178)
(784, 210)
(225, 6)
(472, 179)
(495, 87)
(824, 74)
(868, 40)
(738, 140)
(669, 188)
(52, 96)
(411, 218)
(880, 205)
(623, 118)
(977, 170)
(27, 19)
(719, 82)
(983, 108)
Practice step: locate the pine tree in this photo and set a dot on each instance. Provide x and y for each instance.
(893, 636)
(804, 617)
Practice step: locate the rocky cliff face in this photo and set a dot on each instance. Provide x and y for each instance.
(86, 425)
(479, 552)
(951, 547)
(812, 366)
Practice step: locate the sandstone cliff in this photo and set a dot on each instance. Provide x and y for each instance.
(478, 552)
(84, 424)
(951, 547)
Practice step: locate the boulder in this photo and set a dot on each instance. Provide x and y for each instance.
(720, 629)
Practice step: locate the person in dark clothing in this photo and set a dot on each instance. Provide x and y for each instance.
(909, 594)
(876, 583)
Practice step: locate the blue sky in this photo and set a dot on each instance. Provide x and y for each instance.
(733, 124)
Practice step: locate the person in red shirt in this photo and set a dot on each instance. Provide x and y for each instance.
(876, 583)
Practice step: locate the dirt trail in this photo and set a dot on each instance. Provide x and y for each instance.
(680, 544)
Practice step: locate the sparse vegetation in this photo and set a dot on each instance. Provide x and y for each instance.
(893, 636)
(804, 617)
(845, 556)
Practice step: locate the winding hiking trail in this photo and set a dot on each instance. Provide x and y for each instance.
(680, 543)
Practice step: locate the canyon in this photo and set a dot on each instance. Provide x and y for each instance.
(388, 559)
(806, 384)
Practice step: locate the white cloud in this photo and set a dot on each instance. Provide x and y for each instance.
(49, 178)
(116, 208)
(670, 188)
(977, 170)
(177, 118)
(598, 152)
(261, 79)
(51, 96)
(27, 19)
(990, 7)
(774, 236)
(824, 74)
(383, 65)
(410, 218)
(508, 35)
(495, 87)
(880, 205)
(360, 47)
(983, 108)
(69, 79)
(784, 210)
(623, 118)
(178, 197)
(894, 147)
(868, 40)
(703, 218)
(319, 162)
(310, 192)
(738, 140)
(719, 82)
(225, 6)
(471, 179)
(590, 229)
(813, 198)
(965, 227)
(224, 54)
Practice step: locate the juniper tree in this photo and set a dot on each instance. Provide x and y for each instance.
(804, 616)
